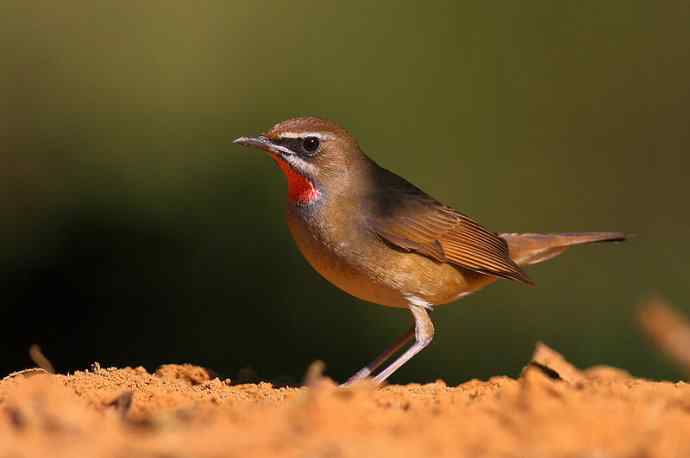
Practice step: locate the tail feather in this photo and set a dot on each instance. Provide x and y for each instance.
(528, 249)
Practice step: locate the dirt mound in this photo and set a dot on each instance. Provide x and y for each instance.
(552, 410)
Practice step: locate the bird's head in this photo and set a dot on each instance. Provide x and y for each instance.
(316, 156)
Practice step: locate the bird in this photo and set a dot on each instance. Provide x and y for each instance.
(383, 240)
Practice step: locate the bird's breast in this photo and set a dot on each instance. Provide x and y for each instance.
(341, 248)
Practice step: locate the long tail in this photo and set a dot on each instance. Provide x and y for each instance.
(527, 249)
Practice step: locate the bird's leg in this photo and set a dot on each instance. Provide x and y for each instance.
(383, 357)
(423, 334)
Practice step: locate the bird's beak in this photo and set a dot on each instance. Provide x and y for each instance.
(262, 142)
(258, 142)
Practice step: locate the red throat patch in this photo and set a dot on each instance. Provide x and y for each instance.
(300, 189)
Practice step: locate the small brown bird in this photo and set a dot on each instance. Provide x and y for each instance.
(381, 239)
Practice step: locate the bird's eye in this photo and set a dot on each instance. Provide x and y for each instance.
(310, 145)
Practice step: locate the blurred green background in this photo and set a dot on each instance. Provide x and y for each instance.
(132, 231)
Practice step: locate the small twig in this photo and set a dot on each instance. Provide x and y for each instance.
(40, 359)
(25, 373)
(668, 330)
(544, 369)
(314, 373)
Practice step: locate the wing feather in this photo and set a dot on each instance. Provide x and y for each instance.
(409, 219)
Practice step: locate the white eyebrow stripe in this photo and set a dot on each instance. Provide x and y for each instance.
(319, 135)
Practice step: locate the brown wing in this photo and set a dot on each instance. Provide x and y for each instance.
(411, 220)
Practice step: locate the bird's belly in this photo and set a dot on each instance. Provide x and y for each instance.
(372, 271)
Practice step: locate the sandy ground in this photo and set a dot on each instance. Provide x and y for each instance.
(552, 410)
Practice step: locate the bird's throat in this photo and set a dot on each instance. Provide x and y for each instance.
(301, 190)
